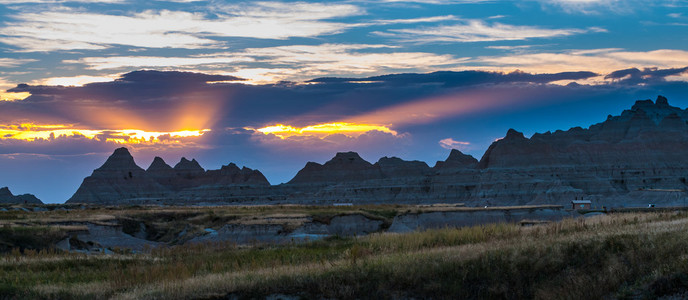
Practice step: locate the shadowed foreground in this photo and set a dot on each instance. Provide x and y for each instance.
(620, 255)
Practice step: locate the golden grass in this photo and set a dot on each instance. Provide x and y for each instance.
(605, 255)
(408, 253)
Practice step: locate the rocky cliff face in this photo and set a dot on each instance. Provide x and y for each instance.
(120, 180)
(6, 197)
(635, 158)
(632, 159)
(643, 149)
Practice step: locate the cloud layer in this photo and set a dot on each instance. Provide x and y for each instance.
(68, 29)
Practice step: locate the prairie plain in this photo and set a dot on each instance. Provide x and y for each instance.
(617, 255)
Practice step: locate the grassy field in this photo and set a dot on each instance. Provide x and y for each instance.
(626, 255)
(164, 224)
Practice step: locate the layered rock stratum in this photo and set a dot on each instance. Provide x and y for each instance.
(6, 197)
(637, 158)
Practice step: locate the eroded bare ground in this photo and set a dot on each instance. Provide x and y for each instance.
(123, 229)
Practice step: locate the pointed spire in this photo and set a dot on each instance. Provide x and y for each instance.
(158, 164)
(513, 134)
(120, 160)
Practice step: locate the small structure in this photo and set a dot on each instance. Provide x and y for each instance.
(581, 204)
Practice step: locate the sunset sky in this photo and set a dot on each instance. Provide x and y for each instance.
(274, 84)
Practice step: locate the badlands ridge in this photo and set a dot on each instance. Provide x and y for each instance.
(633, 159)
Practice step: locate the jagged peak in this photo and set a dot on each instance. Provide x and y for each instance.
(158, 164)
(640, 104)
(347, 155)
(7, 197)
(640, 122)
(662, 101)
(396, 161)
(188, 165)
(344, 166)
(120, 159)
(656, 111)
(231, 167)
(347, 158)
(455, 154)
(457, 158)
(513, 134)
(312, 164)
(392, 159)
(121, 152)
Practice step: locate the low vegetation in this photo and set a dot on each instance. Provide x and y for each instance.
(625, 255)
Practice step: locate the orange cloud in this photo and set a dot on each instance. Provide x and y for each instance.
(421, 111)
(322, 130)
(7, 96)
(32, 132)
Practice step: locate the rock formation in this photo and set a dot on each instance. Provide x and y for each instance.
(391, 167)
(456, 160)
(638, 152)
(345, 166)
(159, 168)
(632, 159)
(188, 169)
(6, 197)
(120, 180)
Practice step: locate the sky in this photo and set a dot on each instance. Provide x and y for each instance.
(272, 85)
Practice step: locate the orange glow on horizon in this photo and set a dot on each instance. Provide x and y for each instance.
(321, 130)
(33, 132)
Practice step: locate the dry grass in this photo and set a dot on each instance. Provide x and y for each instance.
(537, 259)
(618, 255)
